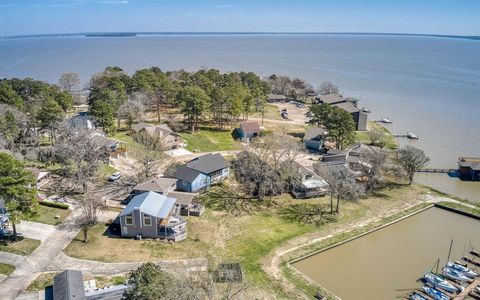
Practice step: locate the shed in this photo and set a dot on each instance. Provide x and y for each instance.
(249, 130)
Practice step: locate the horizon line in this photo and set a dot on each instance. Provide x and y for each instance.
(135, 33)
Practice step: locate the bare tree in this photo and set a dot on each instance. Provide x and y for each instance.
(69, 82)
(341, 184)
(373, 165)
(256, 176)
(411, 159)
(149, 161)
(327, 88)
(90, 209)
(376, 138)
(80, 153)
(132, 110)
(278, 149)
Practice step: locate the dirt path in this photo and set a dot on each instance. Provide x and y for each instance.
(272, 263)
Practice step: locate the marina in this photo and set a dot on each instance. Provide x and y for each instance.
(410, 247)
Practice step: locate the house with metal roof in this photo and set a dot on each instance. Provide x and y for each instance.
(68, 285)
(152, 215)
(161, 185)
(200, 173)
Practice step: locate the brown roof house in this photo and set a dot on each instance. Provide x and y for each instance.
(248, 130)
(163, 132)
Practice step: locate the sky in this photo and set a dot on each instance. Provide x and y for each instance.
(459, 17)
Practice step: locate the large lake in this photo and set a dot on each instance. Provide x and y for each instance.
(426, 85)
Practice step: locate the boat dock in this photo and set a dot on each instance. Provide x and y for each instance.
(467, 287)
(469, 290)
(437, 170)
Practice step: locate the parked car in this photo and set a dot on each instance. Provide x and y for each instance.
(115, 176)
(284, 115)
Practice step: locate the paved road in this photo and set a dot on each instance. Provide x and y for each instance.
(49, 257)
(27, 270)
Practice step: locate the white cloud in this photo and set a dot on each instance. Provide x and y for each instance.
(223, 6)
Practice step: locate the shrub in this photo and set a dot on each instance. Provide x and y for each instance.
(54, 204)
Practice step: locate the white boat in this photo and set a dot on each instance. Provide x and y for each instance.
(416, 296)
(412, 136)
(437, 281)
(386, 120)
(365, 110)
(434, 293)
(462, 269)
(454, 274)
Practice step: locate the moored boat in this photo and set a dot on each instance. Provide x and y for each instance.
(412, 136)
(434, 293)
(454, 274)
(416, 296)
(462, 269)
(386, 120)
(437, 281)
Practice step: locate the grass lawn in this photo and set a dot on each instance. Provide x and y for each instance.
(6, 269)
(23, 246)
(133, 147)
(362, 136)
(271, 112)
(104, 171)
(247, 239)
(47, 215)
(41, 282)
(209, 139)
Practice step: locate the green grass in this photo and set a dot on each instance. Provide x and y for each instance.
(271, 112)
(248, 238)
(41, 282)
(104, 171)
(462, 207)
(210, 139)
(46, 215)
(362, 136)
(6, 269)
(133, 148)
(23, 246)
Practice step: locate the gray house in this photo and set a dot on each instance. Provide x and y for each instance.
(160, 185)
(69, 285)
(359, 117)
(314, 138)
(311, 184)
(152, 215)
(347, 104)
(200, 173)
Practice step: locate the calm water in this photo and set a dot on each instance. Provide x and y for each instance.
(386, 264)
(426, 85)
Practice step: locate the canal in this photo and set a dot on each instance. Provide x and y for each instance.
(386, 264)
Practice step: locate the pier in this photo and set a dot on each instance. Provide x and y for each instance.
(469, 289)
(437, 170)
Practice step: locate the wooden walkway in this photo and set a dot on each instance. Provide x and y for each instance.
(468, 289)
(436, 170)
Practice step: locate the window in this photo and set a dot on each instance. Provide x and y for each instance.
(147, 221)
(216, 173)
(129, 220)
